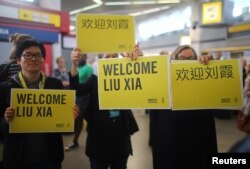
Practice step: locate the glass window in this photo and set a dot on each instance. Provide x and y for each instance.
(241, 10)
(175, 21)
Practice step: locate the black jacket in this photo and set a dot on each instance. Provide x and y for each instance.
(4, 70)
(182, 139)
(108, 138)
(13, 143)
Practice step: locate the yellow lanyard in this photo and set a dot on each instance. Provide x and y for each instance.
(41, 84)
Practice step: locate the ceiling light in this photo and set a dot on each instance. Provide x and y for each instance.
(149, 11)
(29, 0)
(167, 1)
(118, 3)
(135, 14)
(84, 9)
(98, 1)
(96, 5)
(143, 2)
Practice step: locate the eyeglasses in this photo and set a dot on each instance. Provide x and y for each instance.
(30, 56)
(111, 55)
(186, 58)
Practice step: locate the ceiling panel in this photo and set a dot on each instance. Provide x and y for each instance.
(71, 5)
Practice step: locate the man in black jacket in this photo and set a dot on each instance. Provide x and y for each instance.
(29, 150)
(11, 68)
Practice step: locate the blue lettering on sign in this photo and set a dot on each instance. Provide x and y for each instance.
(4, 31)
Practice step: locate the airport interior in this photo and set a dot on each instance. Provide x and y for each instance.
(211, 27)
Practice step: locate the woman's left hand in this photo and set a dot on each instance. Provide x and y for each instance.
(204, 59)
(76, 111)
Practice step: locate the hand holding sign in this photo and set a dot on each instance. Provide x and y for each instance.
(76, 111)
(9, 114)
(44, 110)
(204, 59)
(121, 79)
(75, 58)
(135, 54)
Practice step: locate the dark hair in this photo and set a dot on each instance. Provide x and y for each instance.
(21, 46)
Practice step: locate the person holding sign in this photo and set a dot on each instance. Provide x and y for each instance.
(10, 68)
(183, 139)
(108, 141)
(84, 72)
(29, 150)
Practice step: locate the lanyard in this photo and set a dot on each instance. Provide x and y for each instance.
(41, 84)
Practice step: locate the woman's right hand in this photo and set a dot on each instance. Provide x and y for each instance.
(9, 114)
(133, 55)
(76, 56)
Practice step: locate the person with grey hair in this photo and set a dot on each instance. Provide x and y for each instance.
(183, 139)
(60, 72)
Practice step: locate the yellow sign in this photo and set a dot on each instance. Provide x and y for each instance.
(239, 28)
(126, 84)
(211, 12)
(105, 33)
(198, 86)
(42, 110)
(42, 17)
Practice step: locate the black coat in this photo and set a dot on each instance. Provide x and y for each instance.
(108, 138)
(13, 143)
(182, 139)
(4, 70)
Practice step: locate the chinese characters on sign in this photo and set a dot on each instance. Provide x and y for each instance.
(105, 33)
(105, 24)
(203, 73)
(197, 86)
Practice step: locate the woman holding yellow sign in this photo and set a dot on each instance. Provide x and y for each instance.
(108, 141)
(183, 139)
(29, 150)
